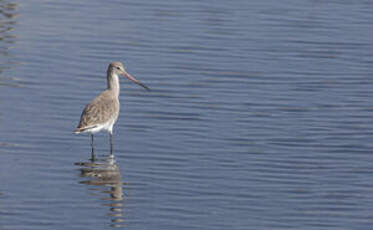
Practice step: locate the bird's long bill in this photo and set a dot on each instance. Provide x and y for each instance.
(127, 75)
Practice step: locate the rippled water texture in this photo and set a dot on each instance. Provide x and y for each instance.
(260, 115)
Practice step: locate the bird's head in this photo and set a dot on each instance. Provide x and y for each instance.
(117, 68)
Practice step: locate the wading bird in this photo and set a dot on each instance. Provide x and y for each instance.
(102, 112)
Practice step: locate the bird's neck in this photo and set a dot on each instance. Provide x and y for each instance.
(113, 83)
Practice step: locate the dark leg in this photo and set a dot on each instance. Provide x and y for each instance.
(111, 144)
(92, 149)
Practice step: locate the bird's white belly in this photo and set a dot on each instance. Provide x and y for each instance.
(108, 126)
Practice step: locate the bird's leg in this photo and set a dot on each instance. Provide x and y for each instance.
(92, 149)
(111, 144)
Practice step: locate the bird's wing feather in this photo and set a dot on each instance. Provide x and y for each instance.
(99, 111)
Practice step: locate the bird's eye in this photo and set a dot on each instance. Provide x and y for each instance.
(118, 68)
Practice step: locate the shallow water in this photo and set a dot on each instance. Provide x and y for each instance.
(260, 115)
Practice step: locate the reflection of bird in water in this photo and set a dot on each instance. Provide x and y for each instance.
(102, 112)
(106, 174)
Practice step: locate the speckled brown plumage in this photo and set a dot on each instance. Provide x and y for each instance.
(102, 109)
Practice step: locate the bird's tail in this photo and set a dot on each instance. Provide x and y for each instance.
(77, 131)
(83, 129)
